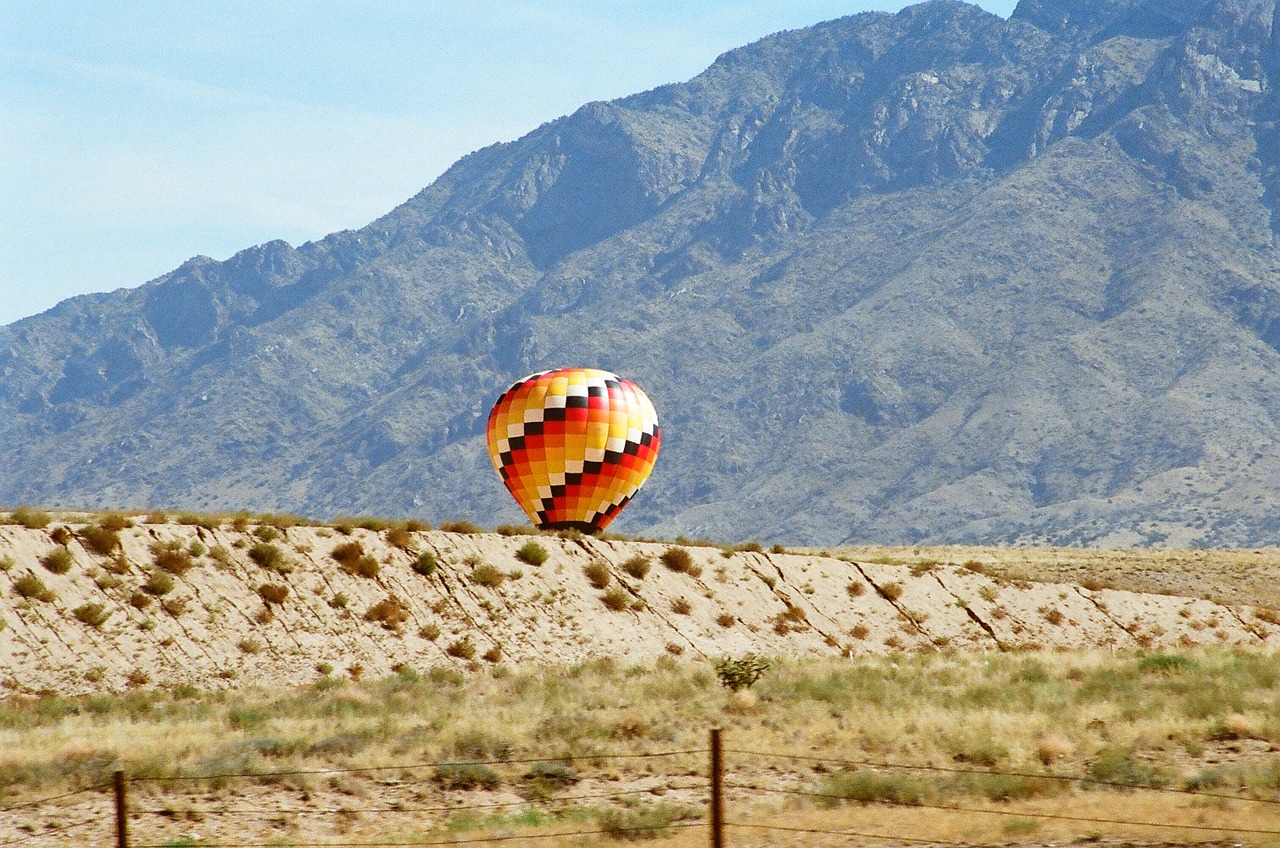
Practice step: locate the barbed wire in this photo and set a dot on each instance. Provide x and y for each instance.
(50, 831)
(1021, 812)
(858, 834)
(991, 773)
(402, 809)
(413, 766)
(41, 801)
(453, 840)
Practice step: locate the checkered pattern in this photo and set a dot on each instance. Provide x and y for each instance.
(573, 446)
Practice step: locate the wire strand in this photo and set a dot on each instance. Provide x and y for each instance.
(412, 766)
(858, 834)
(53, 830)
(451, 841)
(956, 770)
(1029, 814)
(38, 802)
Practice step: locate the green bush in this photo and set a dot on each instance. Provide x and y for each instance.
(870, 787)
(58, 560)
(487, 575)
(100, 539)
(1119, 765)
(269, 556)
(617, 599)
(94, 615)
(597, 573)
(31, 586)
(637, 566)
(158, 583)
(677, 559)
(532, 553)
(32, 519)
(170, 557)
(645, 821)
(741, 673)
(425, 564)
(466, 776)
(463, 527)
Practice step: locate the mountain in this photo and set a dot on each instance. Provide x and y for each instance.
(932, 276)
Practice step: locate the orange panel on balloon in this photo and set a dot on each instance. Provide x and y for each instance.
(573, 446)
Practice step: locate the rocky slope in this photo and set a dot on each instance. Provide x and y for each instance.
(219, 616)
(926, 276)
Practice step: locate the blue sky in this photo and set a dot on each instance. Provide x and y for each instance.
(134, 135)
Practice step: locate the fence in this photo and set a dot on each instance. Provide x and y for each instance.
(111, 823)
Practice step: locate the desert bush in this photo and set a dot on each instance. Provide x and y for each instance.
(681, 606)
(430, 631)
(637, 566)
(250, 645)
(175, 606)
(32, 519)
(266, 533)
(425, 564)
(778, 549)
(515, 530)
(677, 559)
(99, 539)
(741, 673)
(58, 560)
(466, 776)
(1118, 764)
(7, 563)
(856, 588)
(31, 586)
(273, 593)
(114, 521)
(859, 631)
(94, 615)
(390, 612)
(353, 560)
(869, 787)
(597, 573)
(487, 575)
(726, 620)
(645, 821)
(270, 557)
(891, 591)
(463, 527)
(140, 600)
(617, 599)
(61, 535)
(400, 537)
(158, 583)
(171, 557)
(463, 649)
(532, 553)
(493, 655)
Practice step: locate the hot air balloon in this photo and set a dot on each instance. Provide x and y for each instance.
(573, 446)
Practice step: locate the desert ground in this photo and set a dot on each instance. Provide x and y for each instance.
(265, 681)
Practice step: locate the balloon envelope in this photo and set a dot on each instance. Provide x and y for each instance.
(573, 445)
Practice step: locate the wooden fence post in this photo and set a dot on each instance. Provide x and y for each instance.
(122, 821)
(717, 788)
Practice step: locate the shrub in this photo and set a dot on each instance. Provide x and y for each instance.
(493, 655)
(464, 527)
(390, 612)
(645, 821)
(140, 600)
(273, 593)
(6, 563)
(869, 787)
(532, 553)
(891, 591)
(32, 519)
(353, 560)
(31, 586)
(859, 631)
(425, 564)
(726, 620)
(170, 557)
(158, 583)
(777, 549)
(1116, 764)
(94, 615)
(597, 573)
(250, 645)
(463, 649)
(617, 599)
(741, 673)
(466, 776)
(487, 575)
(269, 556)
(637, 566)
(430, 632)
(58, 560)
(681, 606)
(677, 559)
(414, 525)
(60, 535)
(266, 533)
(175, 606)
(400, 537)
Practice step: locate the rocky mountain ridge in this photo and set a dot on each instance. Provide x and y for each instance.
(932, 276)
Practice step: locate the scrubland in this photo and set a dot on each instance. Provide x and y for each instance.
(941, 739)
